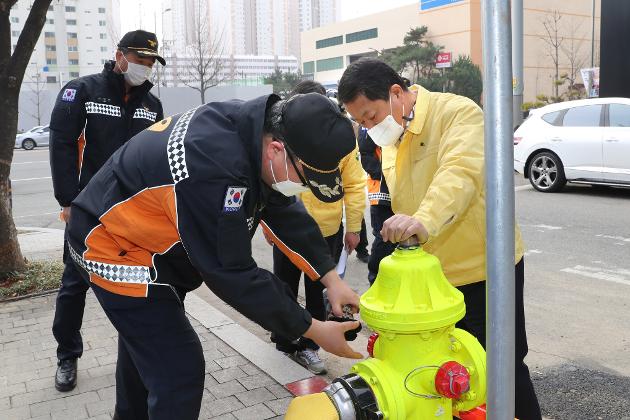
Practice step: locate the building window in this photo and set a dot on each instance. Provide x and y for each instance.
(51, 21)
(51, 79)
(329, 42)
(51, 48)
(73, 62)
(15, 19)
(72, 35)
(361, 35)
(101, 10)
(51, 61)
(326, 64)
(70, 9)
(103, 49)
(71, 21)
(50, 8)
(73, 48)
(103, 36)
(15, 33)
(49, 34)
(74, 74)
(309, 67)
(102, 23)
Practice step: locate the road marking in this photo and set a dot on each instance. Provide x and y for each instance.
(616, 238)
(544, 227)
(532, 251)
(31, 179)
(524, 187)
(35, 215)
(611, 275)
(25, 163)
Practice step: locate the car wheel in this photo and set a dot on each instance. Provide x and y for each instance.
(28, 144)
(546, 172)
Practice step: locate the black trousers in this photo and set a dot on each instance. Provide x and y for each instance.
(161, 369)
(69, 311)
(286, 271)
(474, 322)
(380, 249)
(363, 240)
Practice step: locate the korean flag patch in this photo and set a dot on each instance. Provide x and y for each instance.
(69, 95)
(234, 198)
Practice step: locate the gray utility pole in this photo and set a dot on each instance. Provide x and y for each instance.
(499, 151)
(517, 61)
(593, 36)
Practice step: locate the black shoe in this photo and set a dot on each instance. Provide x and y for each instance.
(363, 257)
(66, 376)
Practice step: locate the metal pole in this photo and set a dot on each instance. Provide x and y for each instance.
(593, 36)
(517, 61)
(158, 70)
(499, 153)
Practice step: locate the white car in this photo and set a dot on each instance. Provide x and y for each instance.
(585, 141)
(36, 136)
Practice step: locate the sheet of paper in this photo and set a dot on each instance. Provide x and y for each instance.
(341, 265)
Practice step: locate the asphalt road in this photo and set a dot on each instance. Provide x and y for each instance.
(576, 292)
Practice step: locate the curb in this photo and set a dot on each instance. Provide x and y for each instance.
(30, 295)
(280, 368)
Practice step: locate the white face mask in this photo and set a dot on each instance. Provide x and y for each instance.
(287, 187)
(387, 132)
(136, 74)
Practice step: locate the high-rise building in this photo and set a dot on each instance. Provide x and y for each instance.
(77, 38)
(246, 27)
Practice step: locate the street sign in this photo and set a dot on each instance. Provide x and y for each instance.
(443, 60)
(430, 4)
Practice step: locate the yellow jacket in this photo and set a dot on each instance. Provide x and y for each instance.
(328, 215)
(436, 174)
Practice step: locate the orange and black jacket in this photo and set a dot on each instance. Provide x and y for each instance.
(91, 119)
(378, 193)
(178, 205)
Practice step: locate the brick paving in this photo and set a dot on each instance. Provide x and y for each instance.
(234, 387)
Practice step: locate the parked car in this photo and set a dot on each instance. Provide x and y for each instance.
(585, 141)
(36, 136)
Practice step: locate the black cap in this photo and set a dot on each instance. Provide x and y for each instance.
(143, 43)
(320, 136)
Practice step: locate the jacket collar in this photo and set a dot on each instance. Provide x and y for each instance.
(421, 109)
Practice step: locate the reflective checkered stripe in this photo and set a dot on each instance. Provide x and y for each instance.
(113, 272)
(175, 147)
(97, 108)
(143, 113)
(379, 196)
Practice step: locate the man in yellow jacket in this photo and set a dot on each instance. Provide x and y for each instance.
(328, 217)
(433, 161)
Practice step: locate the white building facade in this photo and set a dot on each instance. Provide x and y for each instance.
(76, 40)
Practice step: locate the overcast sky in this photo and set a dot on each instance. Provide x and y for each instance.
(146, 14)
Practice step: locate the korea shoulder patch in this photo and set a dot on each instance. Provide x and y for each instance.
(69, 95)
(234, 198)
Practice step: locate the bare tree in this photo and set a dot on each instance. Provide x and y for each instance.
(36, 85)
(12, 68)
(572, 50)
(203, 66)
(553, 41)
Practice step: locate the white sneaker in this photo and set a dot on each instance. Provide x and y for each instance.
(311, 361)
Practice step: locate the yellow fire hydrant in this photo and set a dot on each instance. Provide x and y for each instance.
(420, 365)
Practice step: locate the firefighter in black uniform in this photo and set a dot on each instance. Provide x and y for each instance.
(177, 206)
(93, 116)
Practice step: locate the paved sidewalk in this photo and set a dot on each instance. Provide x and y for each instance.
(246, 378)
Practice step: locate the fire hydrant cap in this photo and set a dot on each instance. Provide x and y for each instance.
(411, 294)
(452, 380)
